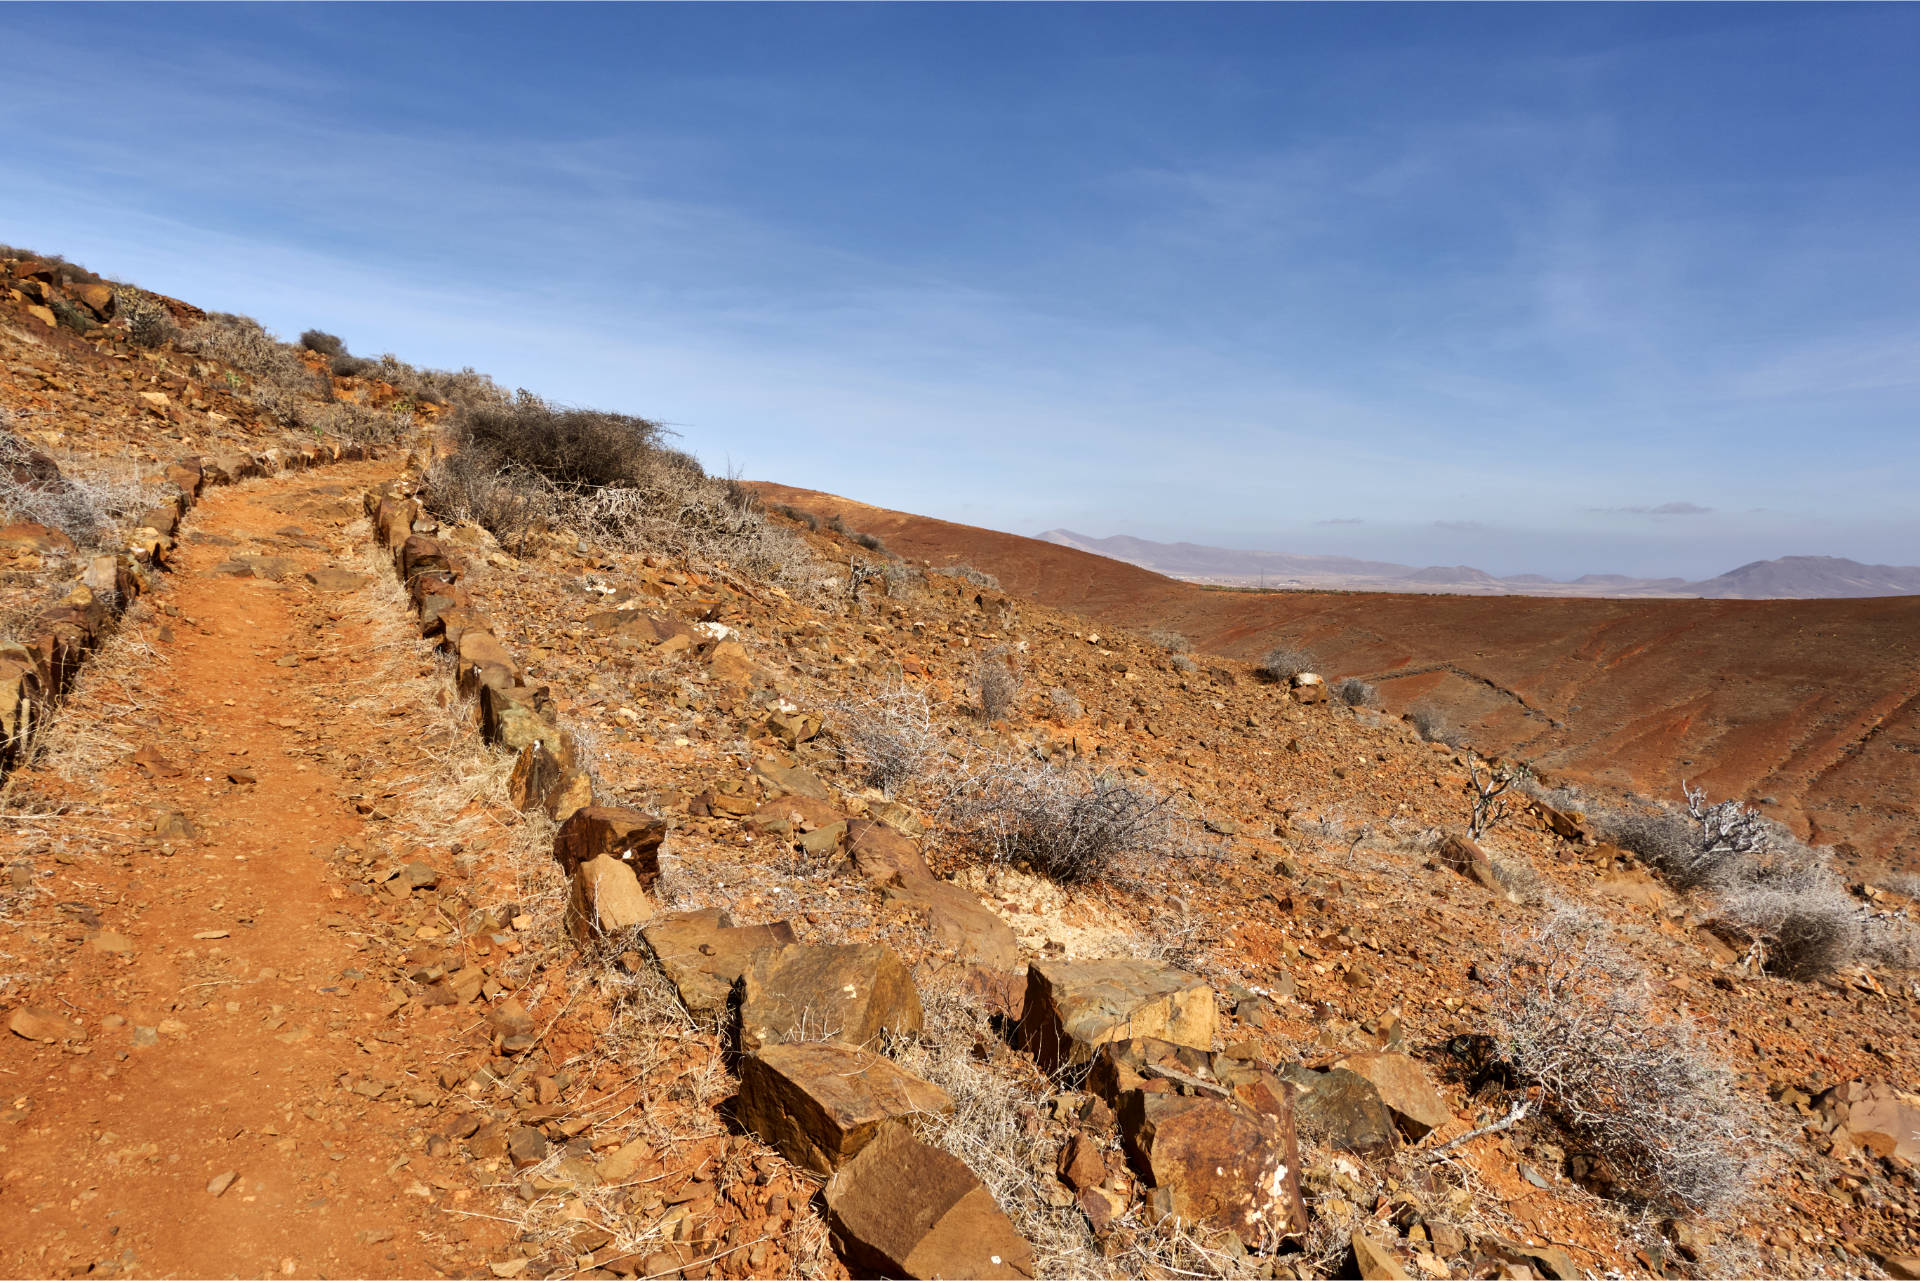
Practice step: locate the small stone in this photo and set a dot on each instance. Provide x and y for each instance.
(1374, 1262)
(219, 1183)
(36, 1024)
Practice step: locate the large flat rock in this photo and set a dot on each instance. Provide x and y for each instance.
(703, 953)
(821, 1103)
(846, 992)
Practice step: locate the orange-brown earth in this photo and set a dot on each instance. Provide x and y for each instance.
(1808, 709)
(502, 1102)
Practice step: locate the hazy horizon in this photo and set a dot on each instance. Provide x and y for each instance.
(1555, 290)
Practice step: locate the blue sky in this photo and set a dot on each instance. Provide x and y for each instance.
(1510, 286)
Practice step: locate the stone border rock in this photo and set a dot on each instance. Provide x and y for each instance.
(35, 674)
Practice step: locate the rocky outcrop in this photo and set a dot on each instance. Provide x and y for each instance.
(1406, 1089)
(957, 919)
(606, 900)
(1343, 1110)
(631, 836)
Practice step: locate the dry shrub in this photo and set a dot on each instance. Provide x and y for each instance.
(1355, 692)
(90, 507)
(968, 574)
(321, 341)
(524, 465)
(1170, 640)
(243, 343)
(1785, 897)
(1284, 662)
(889, 737)
(1575, 1020)
(1182, 664)
(572, 448)
(998, 685)
(1433, 727)
(1065, 705)
(149, 323)
(1064, 822)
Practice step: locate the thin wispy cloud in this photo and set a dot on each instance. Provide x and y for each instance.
(1664, 509)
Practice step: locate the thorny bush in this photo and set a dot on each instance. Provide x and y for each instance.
(1064, 822)
(889, 738)
(1575, 1020)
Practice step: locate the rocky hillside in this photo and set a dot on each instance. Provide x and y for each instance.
(430, 869)
(1808, 709)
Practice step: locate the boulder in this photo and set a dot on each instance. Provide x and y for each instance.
(904, 1209)
(33, 1023)
(651, 629)
(607, 899)
(629, 835)
(1216, 1164)
(1467, 858)
(1405, 1088)
(1309, 689)
(1342, 1109)
(1560, 822)
(422, 555)
(1132, 1064)
(35, 538)
(821, 1103)
(1877, 1115)
(791, 814)
(1080, 1164)
(481, 660)
(730, 666)
(542, 780)
(703, 954)
(514, 716)
(793, 728)
(1073, 1007)
(847, 992)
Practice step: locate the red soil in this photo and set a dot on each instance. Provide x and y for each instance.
(1809, 708)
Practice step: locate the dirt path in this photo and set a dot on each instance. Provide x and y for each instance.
(225, 1091)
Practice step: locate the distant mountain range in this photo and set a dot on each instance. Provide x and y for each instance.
(1788, 578)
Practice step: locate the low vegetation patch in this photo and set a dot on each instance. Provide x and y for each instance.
(1284, 662)
(1355, 692)
(997, 685)
(89, 507)
(1763, 884)
(1576, 1021)
(889, 738)
(526, 464)
(1064, 822)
